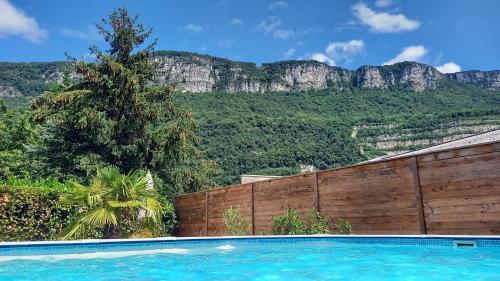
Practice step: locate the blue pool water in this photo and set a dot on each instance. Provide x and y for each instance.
(316, 258)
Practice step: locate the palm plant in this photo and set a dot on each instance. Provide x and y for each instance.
(117, 205)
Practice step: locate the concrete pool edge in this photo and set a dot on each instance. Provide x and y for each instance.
(209, 238)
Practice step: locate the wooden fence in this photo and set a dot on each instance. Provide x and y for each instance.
(447, 192)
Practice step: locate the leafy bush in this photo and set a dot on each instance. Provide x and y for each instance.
(288, 224)
(50, 184)
(343, 226)
(236, 225)
(32, 213)
(31, 210)
(317, 223)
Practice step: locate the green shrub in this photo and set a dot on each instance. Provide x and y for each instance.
(30, 213)
(288, 224)
(236, 225)
(169, 218)
(343, 226)
(317, 223)
(31, 210)
(50, 184)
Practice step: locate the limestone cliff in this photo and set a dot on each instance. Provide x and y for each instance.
(202, 73)
(410, 75)
(488, 79)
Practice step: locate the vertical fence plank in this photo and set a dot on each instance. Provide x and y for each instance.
(252, 206)
(316, 192)
(418, 196)
(206, 213)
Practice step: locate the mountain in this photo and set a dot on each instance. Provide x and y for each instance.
(487, 79)
(305, 113)
(28, 79)
(277, 132)
(202, 73)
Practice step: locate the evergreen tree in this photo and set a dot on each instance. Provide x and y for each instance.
(17, 131)
(112, 115)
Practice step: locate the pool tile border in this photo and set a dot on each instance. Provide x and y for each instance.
(397, 240)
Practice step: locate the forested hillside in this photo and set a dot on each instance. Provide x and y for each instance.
(273, 133)
(262, 120)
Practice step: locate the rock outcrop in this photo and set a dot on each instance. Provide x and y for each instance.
(487, 79)
(411, 75)
(202, 73)
(370, 77)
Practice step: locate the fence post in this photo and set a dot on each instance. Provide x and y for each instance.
(316, 192)
(206, 213)
(252, 208)
(418, 196)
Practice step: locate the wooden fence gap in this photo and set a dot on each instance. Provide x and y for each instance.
(418, 196)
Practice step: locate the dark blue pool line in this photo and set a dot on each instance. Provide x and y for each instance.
(445, 241)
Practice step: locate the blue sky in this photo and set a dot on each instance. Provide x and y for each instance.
(449, 34)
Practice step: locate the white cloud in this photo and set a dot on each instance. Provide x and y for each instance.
(90, 33)
(340, 51)
(227, 43)
(411, 53)
(383, 3)
(449, 67)
(272, 25)
(289, 53)
(383, 22)
(344, 50)
(278, 5)
(15, 22)
(269, 24)
(283, 33)
(417, 53)
(322, 58)
(236, 21)
(193, 28)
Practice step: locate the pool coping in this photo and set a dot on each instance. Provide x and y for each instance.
(205, 238)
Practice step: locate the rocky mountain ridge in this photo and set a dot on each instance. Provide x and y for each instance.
(203, 73)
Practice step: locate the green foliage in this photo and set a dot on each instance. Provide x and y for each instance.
(274, 133)
(288, 224)
(30, 79)
(49, 184)
(343, 226)
(291, 224)
(17, 132)
(119, 205)
(32, 212)
(236, 224)
(17, 103)
(281, 171)
(3, 107)
(250, 133)
(316, 223)
(112, 115)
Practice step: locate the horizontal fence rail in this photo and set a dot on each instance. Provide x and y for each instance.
(454, 191)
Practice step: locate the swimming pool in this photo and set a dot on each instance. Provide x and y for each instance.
(251, 258)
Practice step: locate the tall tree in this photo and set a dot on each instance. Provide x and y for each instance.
(17, 132)
(111, 114)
